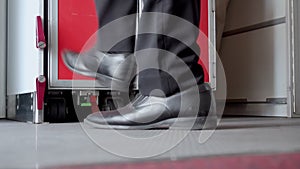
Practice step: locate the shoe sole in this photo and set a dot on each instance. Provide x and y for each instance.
(200, 123)
(103, 80)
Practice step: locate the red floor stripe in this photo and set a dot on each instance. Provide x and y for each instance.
(280, 161)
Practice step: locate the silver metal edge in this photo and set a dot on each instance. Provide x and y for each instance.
(52, 30)
(3, 102)
(291, 58)
(212, 44)
(38, 115)
(294, 26)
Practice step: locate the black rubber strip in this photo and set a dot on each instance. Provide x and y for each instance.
(255, 27)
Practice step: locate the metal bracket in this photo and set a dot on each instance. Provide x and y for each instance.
(21, 107)
(84, 97)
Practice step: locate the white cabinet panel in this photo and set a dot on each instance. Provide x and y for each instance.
(256, 64)
(242, 13)
(23, 57)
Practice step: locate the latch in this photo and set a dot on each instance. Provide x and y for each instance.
(40, 34)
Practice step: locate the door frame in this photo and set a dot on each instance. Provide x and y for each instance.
(55, 83)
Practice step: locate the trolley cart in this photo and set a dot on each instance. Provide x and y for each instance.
(40, 88)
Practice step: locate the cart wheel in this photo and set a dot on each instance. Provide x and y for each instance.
(55, 112)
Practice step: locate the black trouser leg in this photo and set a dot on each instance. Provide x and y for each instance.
(152, 79)
(110, 10)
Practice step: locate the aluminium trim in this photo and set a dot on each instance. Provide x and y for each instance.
(295, 41)
(261, 25)
(212, 44)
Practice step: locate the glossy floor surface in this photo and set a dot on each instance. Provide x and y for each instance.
(54, 145)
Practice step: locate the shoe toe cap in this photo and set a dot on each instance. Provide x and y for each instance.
(69, 58)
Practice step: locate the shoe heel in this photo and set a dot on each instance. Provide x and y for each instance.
(199, 123)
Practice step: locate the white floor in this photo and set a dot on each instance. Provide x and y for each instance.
(48, 145)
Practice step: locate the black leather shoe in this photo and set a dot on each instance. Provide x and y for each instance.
(150, 112)
(106, 67)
